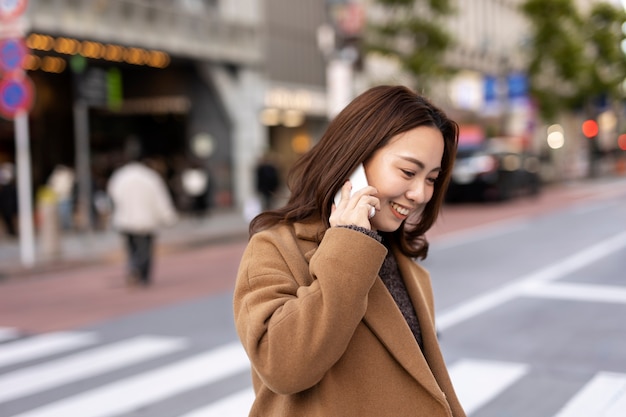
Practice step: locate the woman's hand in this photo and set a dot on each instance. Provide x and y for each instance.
(354, 210)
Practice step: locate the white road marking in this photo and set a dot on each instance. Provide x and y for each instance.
(482, 232)
(553, 272)
(234, 405)
(141, 390)
(44, 345)
(477, 382)
(603, 396)
(578, 291)
(82, 365)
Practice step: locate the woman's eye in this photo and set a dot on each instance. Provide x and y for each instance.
(432, 180)
(408, 173)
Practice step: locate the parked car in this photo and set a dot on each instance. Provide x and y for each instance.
(481, 174)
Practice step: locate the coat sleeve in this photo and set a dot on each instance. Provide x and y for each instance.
(165, 212)
(295, 319)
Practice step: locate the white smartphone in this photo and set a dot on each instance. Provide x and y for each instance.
(359, 181)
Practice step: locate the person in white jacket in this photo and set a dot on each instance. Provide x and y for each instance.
(141, 206)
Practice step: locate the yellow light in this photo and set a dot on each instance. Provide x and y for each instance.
(91, 49)
(293, 118)
(53, 64)
(66, 46)
(270, 117)
(157, 59)
(136, 56)
(113, 53)
(301, 143)
(39, 42)
(97, 50)
(31, 63)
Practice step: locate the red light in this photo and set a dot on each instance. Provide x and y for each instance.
(590, 128)
(621, 141)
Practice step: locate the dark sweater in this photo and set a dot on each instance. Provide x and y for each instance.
(390, 274)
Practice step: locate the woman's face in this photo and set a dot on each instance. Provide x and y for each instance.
(404, 173)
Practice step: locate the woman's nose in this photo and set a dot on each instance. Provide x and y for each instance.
(416, 192)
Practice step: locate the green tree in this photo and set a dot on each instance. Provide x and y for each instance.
(413, 33)
(575, 60)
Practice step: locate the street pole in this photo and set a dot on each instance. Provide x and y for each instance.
(82, 158)
(24, 190)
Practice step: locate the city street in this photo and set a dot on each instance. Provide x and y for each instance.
(530, 297)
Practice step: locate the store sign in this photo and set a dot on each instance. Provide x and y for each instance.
(92, 86)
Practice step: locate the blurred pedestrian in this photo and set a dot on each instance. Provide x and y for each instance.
(8, 198)
(332, 308)
(142, 205)
(62, 182)
(267, 181)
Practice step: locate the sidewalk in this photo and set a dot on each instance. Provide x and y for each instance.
(106, 245)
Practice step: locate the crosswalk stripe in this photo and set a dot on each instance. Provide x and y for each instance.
(477, 382)
(7, 333)
(578, 291)
(44, 345)
(235, 405)
(38, 378)
(128, 394)
(603, 396)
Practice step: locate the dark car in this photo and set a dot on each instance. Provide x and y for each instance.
(481, 174)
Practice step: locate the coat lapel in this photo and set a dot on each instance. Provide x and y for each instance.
(384, 318)
(386, 321)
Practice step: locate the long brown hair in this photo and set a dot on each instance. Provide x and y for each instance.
(362, 127)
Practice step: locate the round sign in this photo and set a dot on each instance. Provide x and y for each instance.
(12, 54)
(11, 9)
(16, 94)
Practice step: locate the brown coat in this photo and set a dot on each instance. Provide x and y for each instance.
(325, 337)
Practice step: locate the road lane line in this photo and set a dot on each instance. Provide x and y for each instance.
(44, 345)
(234, 405)
(492, 299)
(477, 382)
(83, 365)
(473, 234)
(603, 396)
(578, 291)
(141, 390)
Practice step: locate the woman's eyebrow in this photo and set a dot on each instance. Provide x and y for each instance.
(417, 162)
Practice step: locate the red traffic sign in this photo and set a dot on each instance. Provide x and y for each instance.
(12, 9)
(16, 95)
(12, 54)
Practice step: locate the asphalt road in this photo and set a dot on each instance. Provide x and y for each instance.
(530, 313)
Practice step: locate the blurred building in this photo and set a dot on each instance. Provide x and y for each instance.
(294, 112)
(488, 93)
(183, 77)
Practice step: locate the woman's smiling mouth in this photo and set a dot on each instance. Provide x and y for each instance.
(401, 210)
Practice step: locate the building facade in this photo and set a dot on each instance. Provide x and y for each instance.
(184, 78)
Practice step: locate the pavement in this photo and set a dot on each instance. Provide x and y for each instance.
(78, 249)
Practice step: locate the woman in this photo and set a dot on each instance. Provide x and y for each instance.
(336, 317)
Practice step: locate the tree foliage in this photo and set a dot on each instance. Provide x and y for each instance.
(412, 32)
(575, 59)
